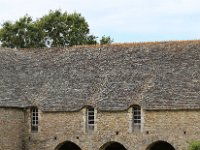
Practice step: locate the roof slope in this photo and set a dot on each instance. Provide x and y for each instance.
(162, 75)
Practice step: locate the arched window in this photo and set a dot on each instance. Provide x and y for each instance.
(90, 119)
(136, 121)
(34, 119)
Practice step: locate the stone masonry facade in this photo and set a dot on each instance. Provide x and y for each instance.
(175, 127)
(12, 129)
(161, 78)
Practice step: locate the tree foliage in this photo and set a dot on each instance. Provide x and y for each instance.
(56, 29)
(194, 145)
(106, 40)
(64, 29)
(21, 34)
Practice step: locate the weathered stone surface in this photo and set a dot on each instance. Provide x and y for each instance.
(177, 127)
(12, 129)
(162, 75)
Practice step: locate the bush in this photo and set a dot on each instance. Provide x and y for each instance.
(194, 145)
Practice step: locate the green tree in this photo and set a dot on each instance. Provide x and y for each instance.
(56, 29)
(21, 34)
(64, 29)
(106, 40)
(194, 145)
(6, 34)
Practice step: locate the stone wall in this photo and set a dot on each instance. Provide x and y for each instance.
(175, 127)
(12, 129)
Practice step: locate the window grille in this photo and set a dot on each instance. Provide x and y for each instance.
(34, 119)
(136, 118)
(90, 119)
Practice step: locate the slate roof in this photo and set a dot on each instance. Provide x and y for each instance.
(157, 76)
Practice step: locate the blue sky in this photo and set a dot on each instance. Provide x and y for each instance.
(123, 20)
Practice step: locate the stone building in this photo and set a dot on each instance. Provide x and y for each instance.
(143, 96)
